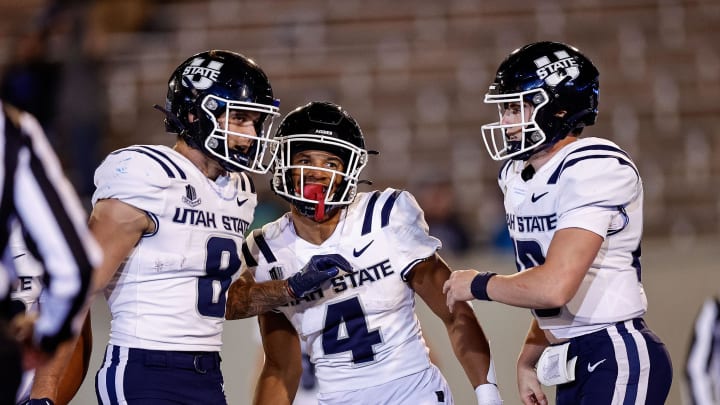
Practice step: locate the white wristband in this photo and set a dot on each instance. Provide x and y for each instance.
(488, 394)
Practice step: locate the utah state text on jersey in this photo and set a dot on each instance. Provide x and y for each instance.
(533, 223)
(207, 219)
(352, 279)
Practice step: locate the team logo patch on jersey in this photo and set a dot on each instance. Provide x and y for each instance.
(276, 273)
(554, 72)
(201, 77)
(191, 197)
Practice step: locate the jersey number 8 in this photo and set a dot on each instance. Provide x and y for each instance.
(221, 263)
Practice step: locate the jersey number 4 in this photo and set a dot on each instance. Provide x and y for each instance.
(221, 263)
(346, 331)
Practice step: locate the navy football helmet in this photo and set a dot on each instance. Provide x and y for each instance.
(319, 126)
(213, 83)
(560, 85)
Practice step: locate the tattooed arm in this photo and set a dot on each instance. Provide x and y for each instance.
(247, 298)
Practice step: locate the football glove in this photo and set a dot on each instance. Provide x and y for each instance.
(319, 269)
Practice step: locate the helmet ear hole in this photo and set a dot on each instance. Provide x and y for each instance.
(538, 99)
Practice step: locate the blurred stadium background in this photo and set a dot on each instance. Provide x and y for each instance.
(414, 74)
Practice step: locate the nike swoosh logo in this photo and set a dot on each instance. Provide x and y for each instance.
(357, 253)
(592, 367)
(240, 203)
(534, 197)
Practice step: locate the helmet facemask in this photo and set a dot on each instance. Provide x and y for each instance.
(519, 145)
(309, 199)
(259, 156)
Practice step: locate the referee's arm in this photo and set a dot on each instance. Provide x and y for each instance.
(54, 220)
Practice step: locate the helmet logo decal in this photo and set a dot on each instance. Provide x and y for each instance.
(202, 77)
(555, 72)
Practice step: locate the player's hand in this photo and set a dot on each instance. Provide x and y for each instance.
(22, 328)
(457, 287)
(319, 269)
(531, 392)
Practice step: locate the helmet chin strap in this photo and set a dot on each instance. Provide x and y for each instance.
(315, 192)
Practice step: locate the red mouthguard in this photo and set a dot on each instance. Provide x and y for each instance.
(316, 192)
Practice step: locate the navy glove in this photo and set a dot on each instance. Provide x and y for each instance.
(319, 269)
(36, 401)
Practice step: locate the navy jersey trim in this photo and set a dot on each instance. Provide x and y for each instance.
(246, 183)
(155, 220)
(387, 208)
(166, 157)
(247, 256)
(263, 246)
(571, 162)
(406, 271)
(626, 220)
(636, 254)
(601, 147)
(504, 168)
(162, 164)
(367, 222)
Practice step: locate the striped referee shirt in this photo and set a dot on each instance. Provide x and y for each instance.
(35, 192)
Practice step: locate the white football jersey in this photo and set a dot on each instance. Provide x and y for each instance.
(28, 273)
(26, 292)
(170, 293)
(361, 329)
(590, 184)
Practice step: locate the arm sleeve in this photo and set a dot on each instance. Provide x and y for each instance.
(55, 222)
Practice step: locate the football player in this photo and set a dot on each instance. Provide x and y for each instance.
(42, 386)
(172, 221)
(574, 212)
(374, 254)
